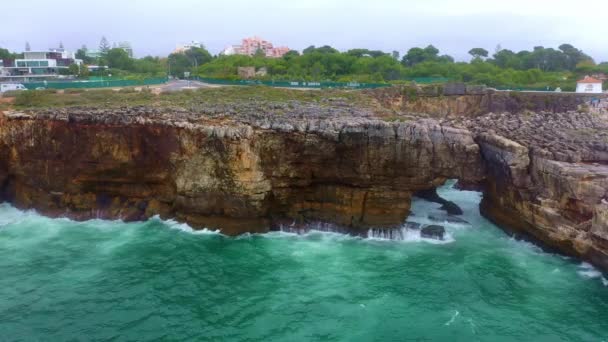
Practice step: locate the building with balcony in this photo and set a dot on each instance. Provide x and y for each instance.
(251, 46)
(37, 65)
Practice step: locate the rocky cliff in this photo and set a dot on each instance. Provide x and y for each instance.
(239, 175)
(449, 101)
(251, 166)
(547, 177)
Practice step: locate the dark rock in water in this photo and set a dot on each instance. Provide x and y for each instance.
(432, 196)
(412, 225)
(433, 232)
(451, 208)
(447, 218)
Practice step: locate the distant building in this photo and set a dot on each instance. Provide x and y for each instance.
(250, 46)
(93, 54)
(37, 65)
(181, 48)
(589, 85)
(126, 46)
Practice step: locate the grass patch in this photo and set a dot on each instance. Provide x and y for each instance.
(74, 91)
(205, 96)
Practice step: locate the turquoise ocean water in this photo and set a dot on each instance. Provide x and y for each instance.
(109, 281)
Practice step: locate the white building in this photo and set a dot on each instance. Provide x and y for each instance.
(589, 85)
(181, 48)
(126, 46)
(37, 65)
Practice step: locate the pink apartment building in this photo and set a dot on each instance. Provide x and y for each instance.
(249, 46)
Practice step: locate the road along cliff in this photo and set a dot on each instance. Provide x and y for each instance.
(253, 166)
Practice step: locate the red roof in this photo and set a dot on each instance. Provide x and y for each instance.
(589, 79)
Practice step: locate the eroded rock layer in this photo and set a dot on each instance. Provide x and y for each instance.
(229, 175)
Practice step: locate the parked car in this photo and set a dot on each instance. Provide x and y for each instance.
(4, 87)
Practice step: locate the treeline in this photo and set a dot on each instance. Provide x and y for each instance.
(539, 68)
(120, 64)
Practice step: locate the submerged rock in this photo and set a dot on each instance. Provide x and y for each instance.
(433, 232)
(447, 218)
(431, 195)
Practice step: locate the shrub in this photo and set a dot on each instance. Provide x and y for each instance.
(30, 98)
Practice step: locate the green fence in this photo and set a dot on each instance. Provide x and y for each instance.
(293, 84)
(94, 84)
(428, 80)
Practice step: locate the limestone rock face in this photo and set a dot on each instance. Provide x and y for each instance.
(558, 203)
(442, 102)
(238, 176)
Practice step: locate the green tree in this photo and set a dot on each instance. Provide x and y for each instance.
(323, 50)
(418, 55)
(119, 59)
(5, 54)
(259, 53)
(83, 72)
(291, 54)
(104, 46)
(198, 56)
(149, 65)
(178, 63)
(82, 55)
(73, 69)
(478, 53)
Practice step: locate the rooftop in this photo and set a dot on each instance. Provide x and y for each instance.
(589, 79)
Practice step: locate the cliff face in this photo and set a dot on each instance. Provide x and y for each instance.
(561, 204)
(251, 166)
(229, 175)
(442, 102)
(547, 177)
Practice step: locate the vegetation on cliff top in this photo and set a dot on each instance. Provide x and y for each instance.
(108, 98)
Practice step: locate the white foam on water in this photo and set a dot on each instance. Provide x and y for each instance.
(10, 215)
(405, 234)
(529, 246)
(456, 313)
(587, 270)
(184, 227)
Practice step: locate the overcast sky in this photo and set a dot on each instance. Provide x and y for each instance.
(155, 27)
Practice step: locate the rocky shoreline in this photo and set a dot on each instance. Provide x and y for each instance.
(257, 165)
